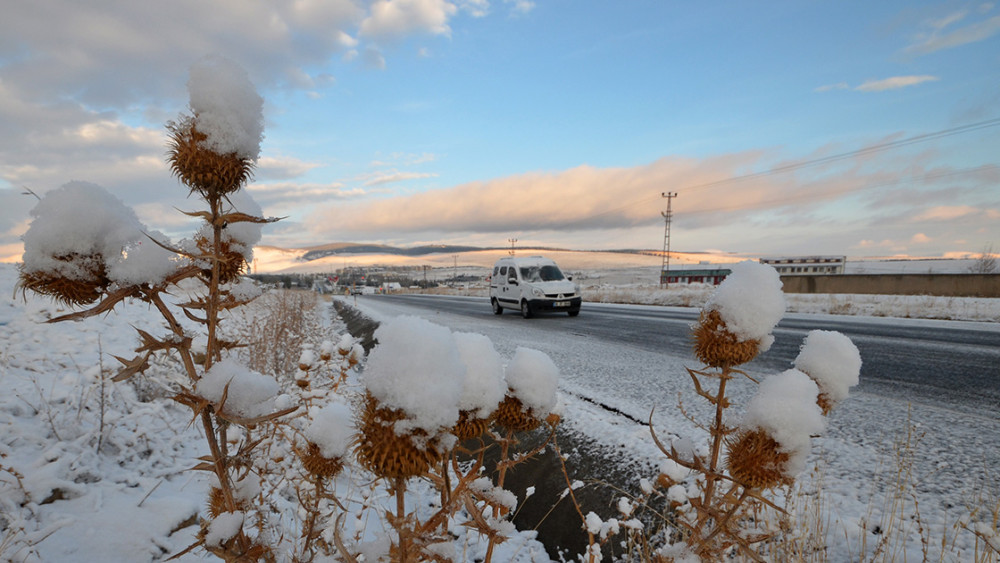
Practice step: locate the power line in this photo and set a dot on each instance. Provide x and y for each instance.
(859, 152)
(805, 197)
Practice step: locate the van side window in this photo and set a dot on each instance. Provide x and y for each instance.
(503, 270)
(496, 270)
(512, 274)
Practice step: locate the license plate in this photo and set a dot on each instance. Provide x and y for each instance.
(561, 304)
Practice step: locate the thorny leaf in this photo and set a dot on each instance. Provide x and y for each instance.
(237, 217)
(115, 297)
(196, 403)
(151, 343)
(478, 522)
(252, 421)
(194, 317)
(136, 365)
(203, 214)
(169, 248)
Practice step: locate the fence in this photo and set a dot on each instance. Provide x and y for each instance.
(946, 285)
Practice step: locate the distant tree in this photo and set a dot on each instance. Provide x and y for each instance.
(986, 263)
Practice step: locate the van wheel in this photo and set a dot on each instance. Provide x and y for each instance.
(497, 309)
(573, 313)
(525, 309)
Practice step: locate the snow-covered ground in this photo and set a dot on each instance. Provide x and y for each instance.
(102, 472)
(62, 499)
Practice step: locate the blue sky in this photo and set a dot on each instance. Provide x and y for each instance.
(554, 122)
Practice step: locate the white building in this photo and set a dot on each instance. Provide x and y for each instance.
(807, 265)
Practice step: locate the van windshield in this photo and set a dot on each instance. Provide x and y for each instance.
(541, 273)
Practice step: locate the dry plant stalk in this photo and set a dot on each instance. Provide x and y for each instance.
(213, 265)
(724, 511)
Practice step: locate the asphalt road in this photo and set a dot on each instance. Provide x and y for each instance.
(953, 365)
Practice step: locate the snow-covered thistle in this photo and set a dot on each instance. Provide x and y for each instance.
(767, 449)
(86, 248)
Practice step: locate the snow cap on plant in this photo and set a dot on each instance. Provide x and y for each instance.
(833, 362)
(81, 240)
(328, 435)
(774, 440)
(213, 151)
(413, 382)
(248, 394)
(483, 386)
(532, 384)
(737, 320)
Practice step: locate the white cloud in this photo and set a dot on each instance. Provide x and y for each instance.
(475, 8)
(127, 50)
(274, 168)
(972, 33)
(830, 87)
(894, 82)
(392, 19)
(948, 213)
(521, 6)
(405, 159)
(388, 177)
(289, 194)
(948, 20)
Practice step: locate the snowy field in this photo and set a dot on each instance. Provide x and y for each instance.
(93, 472)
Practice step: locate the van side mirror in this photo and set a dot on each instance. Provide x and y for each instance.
(570, 278)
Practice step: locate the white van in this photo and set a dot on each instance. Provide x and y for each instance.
(530, 284)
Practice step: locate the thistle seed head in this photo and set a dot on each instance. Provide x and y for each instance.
(469, 426)
(84, 290)
(231, 263)
(211, 174)
(316, 464)
(715, 346)
(513, 415)
(390, 455)
(754, 460)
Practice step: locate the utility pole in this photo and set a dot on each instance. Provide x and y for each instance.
(665, 266)
(455, 256)
(511, 241)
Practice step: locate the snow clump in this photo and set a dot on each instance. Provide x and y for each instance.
(416, 368)
(332, 429)
(227, 107)
(484, 386)
(144, 261)
(785, 407)
(250, 394)
(832, 360)
(750, 302)
(80, 219)
(223, 528)
(533, 378)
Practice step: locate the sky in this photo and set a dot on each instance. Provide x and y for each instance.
(785, 128)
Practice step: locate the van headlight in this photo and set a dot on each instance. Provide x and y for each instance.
(537, 292)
